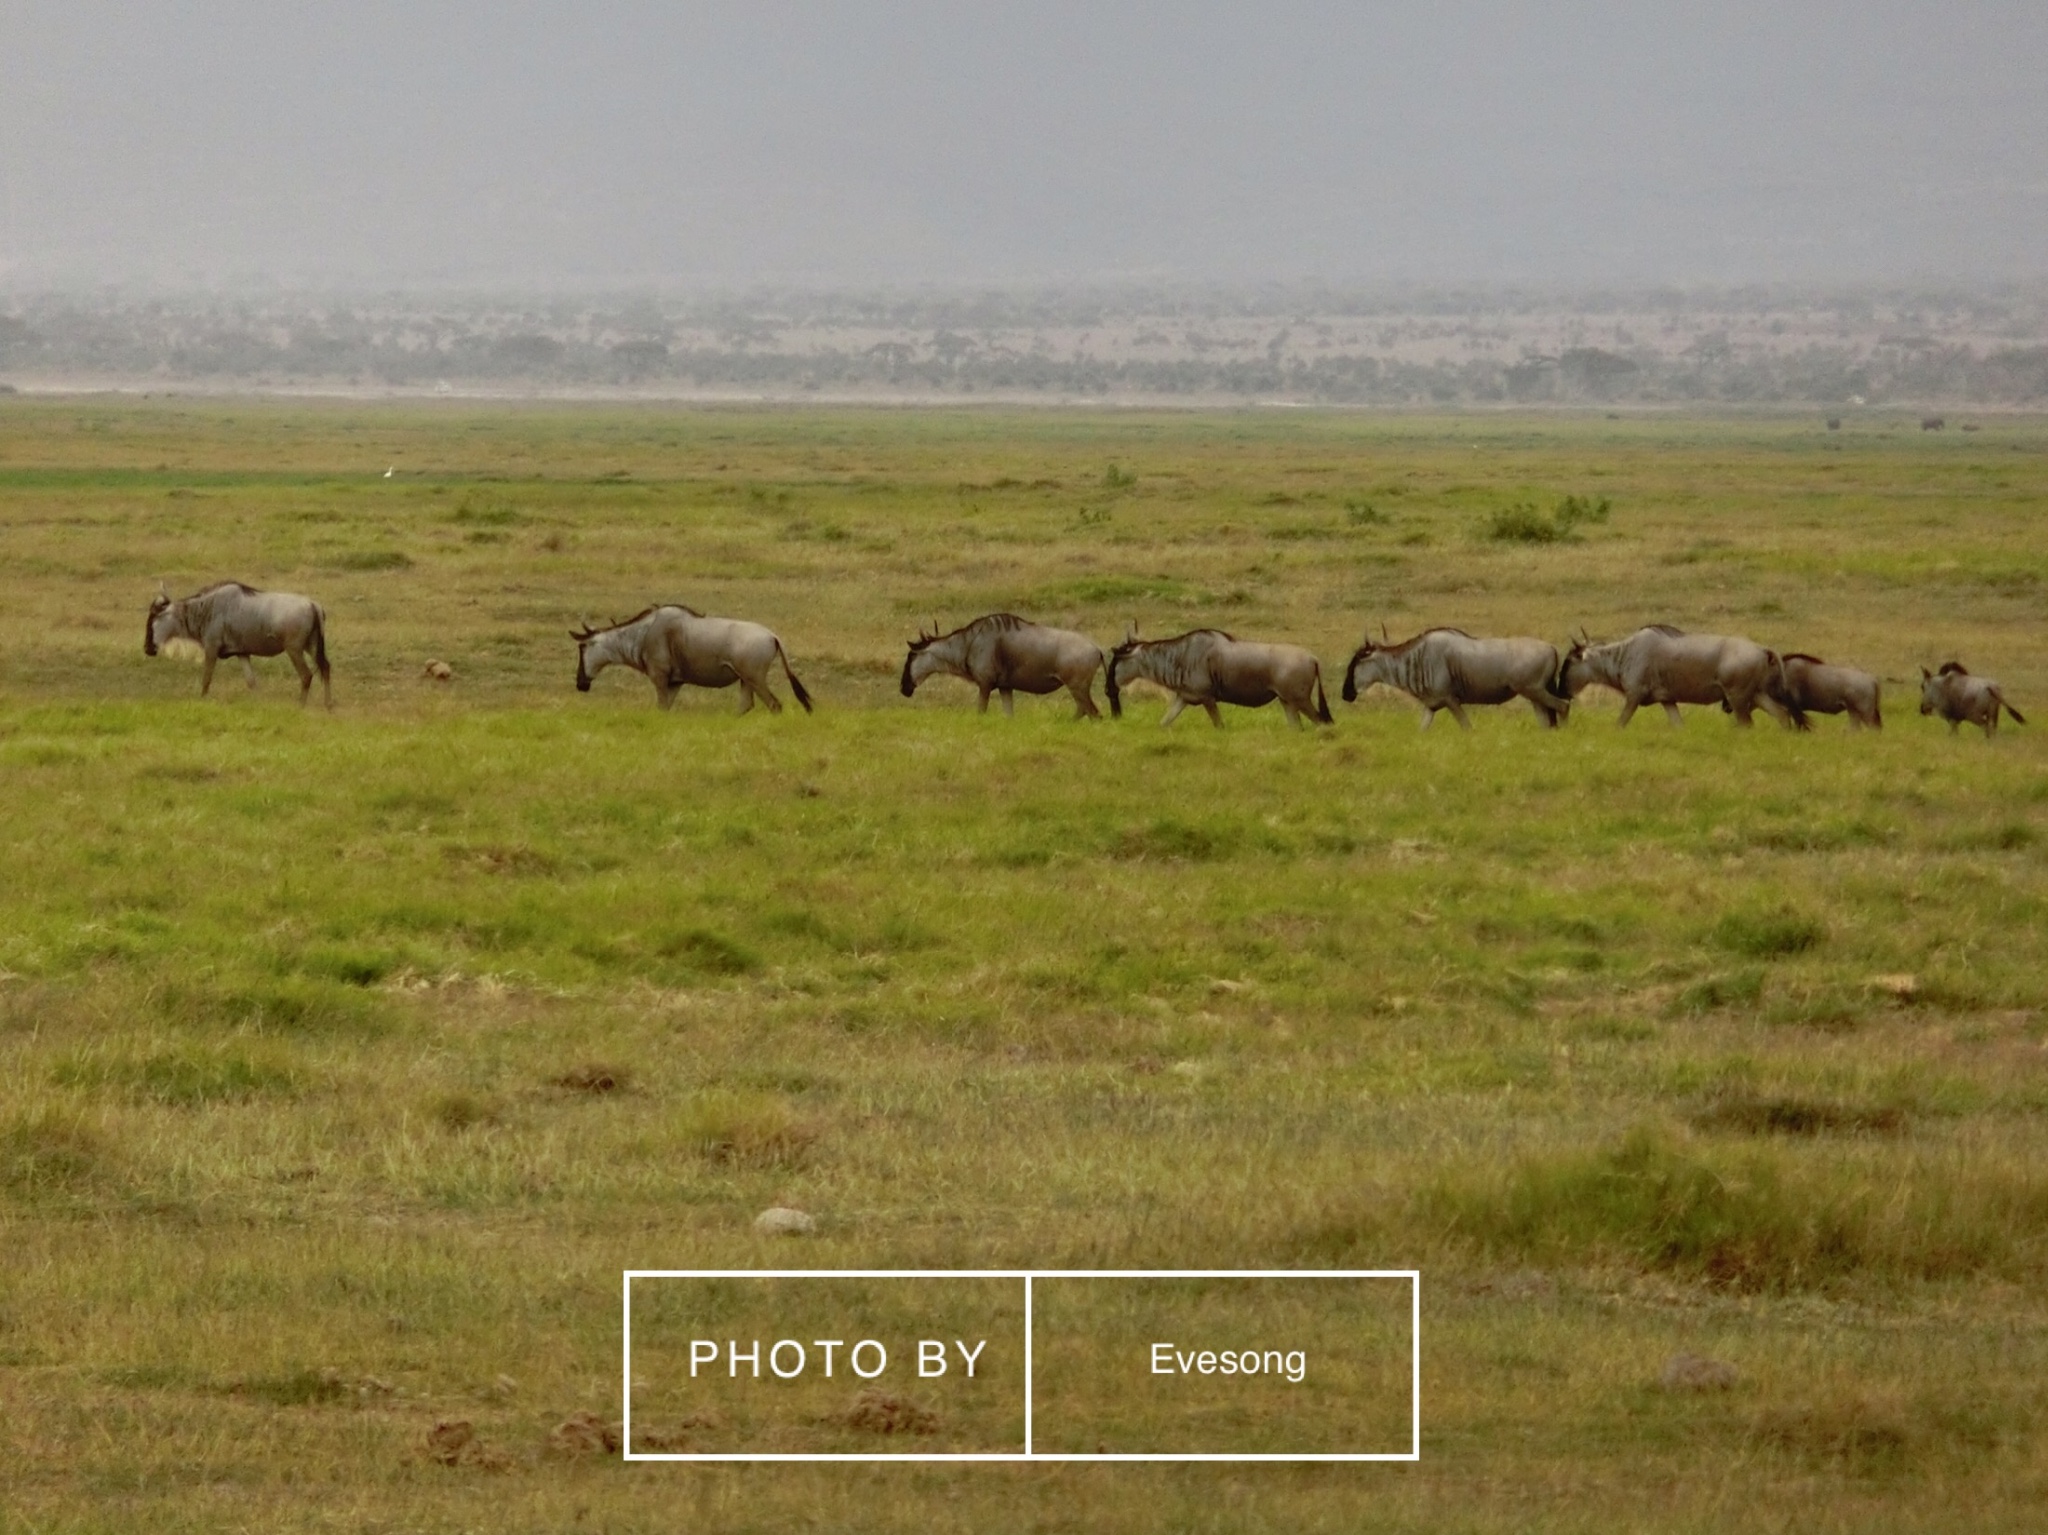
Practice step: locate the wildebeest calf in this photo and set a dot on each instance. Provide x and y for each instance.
(1962, 699)
(1808, 685)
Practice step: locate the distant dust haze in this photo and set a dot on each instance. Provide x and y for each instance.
(579, 146)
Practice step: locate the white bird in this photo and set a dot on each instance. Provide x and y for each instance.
(387, 472)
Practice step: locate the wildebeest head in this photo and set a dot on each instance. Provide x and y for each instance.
(1580, 667)
(913, 671)
(162, 623)
(1934, 685)
(583, 637)
(1365, 652)
(1111, 683)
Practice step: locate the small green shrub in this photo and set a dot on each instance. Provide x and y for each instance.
(1734, 989)
(48, 1149)
(708, 953)
(187, 1076)
(1522, 524)
(745, 1129)
(1769, 934)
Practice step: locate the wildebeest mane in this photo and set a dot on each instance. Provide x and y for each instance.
(591, 634)
(1668, 629)
(1136, 644)
(1953, 669)
(1800, 655)
(988, 623)
(1404, 646)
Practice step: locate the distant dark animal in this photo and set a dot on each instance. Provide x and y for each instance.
(1448, 668)
(1834, 423)
(1209, 667)
(1932, 424)
(1002, 653)
(674, 647)
(1808, 685)
(1667, 666)
(1962, 699)
(230, 621)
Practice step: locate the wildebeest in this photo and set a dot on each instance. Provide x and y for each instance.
(1209, 667)
(674, 646)
(1662, 665)
(1002, 653)
(1962, 699)
(1932, 424)
(1806, 685)
(1447, 668)
(230, 621)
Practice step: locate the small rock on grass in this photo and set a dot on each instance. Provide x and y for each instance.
(782, 1221)
(1695, 1372)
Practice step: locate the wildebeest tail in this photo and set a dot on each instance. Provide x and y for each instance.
(2017, 717)
(1322, 702)
(1116, 699)
(320, 642)
(794, 686)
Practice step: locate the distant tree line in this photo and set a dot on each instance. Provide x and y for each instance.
(947, 343)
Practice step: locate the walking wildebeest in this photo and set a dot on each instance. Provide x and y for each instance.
(230, 621)
(1209, 667)
(1806, 685)
(1002, 653)
(673, 646)
(1962, 699)
(1662, 665)
(1447, 668)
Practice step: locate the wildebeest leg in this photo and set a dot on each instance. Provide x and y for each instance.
(1428, 715)
(249, 671)
(1293, 714)
(298, 660)
(1084, 701)
(1009, 704)
(206, 673)
(1671, 713)
(665, 693)
(1629, 704)
(1458, 713)
(746, 698)
(1215, 714)
(982, 707)
(1178, 704)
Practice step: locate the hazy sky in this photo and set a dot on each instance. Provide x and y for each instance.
(610, 141)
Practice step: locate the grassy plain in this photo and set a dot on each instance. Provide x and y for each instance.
(1636, 1042)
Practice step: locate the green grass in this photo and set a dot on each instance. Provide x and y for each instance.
(345, 1059)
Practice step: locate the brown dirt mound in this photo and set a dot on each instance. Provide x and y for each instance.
(878, 1412)
(584, 1433)
(453, 1442)
(595, 1078)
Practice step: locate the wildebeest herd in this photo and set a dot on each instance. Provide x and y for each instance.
(1441, 668)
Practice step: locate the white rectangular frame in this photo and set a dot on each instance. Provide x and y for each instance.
(1413, 1276)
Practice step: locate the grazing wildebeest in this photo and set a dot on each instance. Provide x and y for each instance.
(673, 646)
(1002, 653)
(1962, 699)
(230, 621)
(1806, 685)
(1209, 667)
(1932, 424)
(1662, 665)
(1448, 668)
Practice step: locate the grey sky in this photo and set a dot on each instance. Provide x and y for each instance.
(571, 144)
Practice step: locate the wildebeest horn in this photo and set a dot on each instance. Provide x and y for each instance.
(1131, 632)
(1384, 636)
(163, 591)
